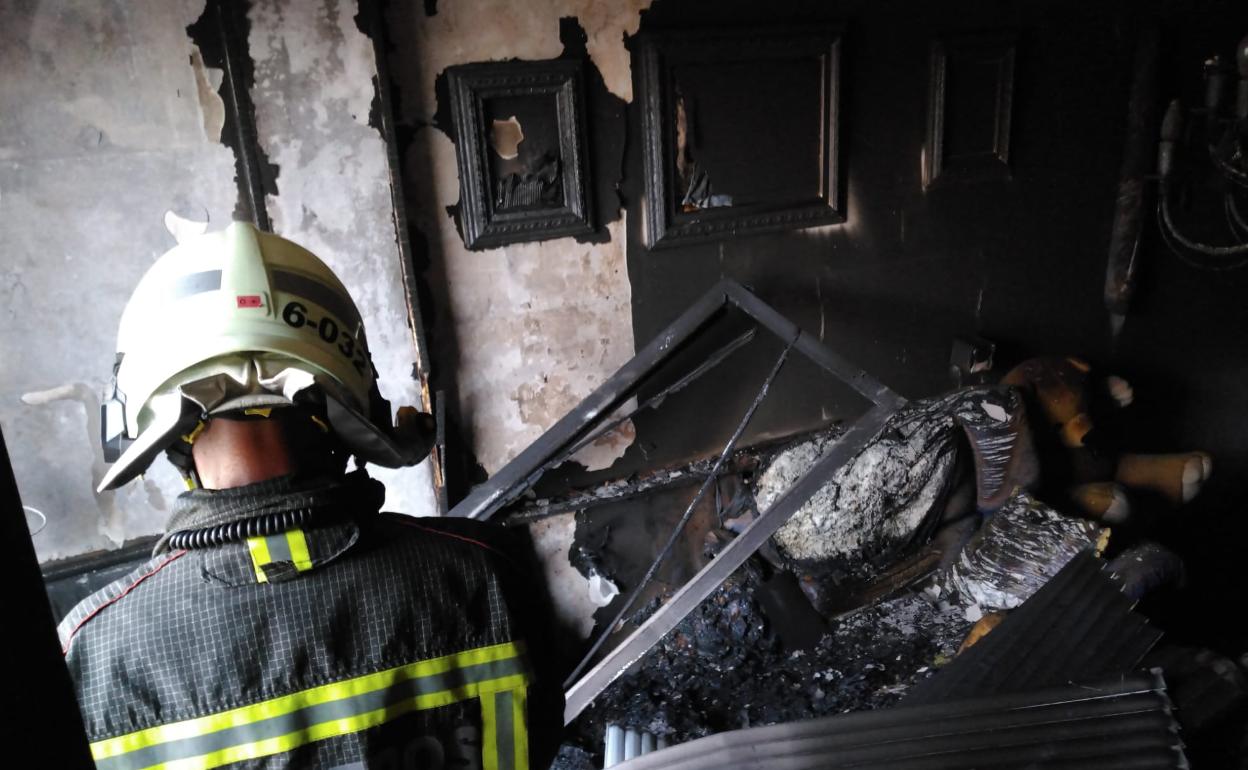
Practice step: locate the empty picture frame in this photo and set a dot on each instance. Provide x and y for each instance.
(520, 147)
(970, 100)
(740, 131)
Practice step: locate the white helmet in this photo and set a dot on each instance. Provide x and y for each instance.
(235, 319)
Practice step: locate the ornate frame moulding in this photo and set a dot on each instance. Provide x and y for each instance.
(668, 127)
(528, 204)
(969, 141)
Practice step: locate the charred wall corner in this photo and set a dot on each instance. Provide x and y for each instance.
(220, 35)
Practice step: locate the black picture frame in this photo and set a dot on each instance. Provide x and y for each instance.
(535, 203)
(812, 56)
(968, 138)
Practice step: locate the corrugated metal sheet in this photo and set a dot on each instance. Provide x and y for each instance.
(1124, 723)
(1079, 627)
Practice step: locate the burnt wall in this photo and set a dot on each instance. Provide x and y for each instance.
(1017, 260)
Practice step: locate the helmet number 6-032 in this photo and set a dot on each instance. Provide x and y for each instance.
(296, 315)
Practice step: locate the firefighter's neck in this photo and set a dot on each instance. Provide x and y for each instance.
(235, 453)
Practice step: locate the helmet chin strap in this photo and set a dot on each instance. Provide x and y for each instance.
(179, 451)
(301, 424)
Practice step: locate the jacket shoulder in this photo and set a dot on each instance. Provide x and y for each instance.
(111, 594)
(493, 539)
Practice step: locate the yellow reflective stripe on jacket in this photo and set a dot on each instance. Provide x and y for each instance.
(289, 546)
(505, 741)
(498, 675)
(297, 544)
(259, 549)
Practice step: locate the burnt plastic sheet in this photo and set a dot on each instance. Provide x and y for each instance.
(1122, 723)
(1021, 547)
(1079, 627)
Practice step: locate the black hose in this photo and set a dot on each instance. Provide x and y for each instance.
(257, 526)
(1194, 253)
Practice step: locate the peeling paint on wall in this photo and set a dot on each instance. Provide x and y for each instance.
(570, 591)
(535, 326)
(103, 131)
(208, 88)
(538, 325)
(493, 30)
(314, 74)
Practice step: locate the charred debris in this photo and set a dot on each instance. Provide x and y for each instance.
(977, 543)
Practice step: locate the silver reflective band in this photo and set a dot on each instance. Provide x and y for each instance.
(196, 283)
(315, 291)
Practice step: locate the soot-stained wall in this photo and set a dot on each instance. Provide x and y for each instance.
(520, 334)
(1019, 259)
(110, 119)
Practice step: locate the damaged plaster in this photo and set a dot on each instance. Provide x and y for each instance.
(536, 326)
(571, 595)
(539, 326)
(105, 127)
(494, 30)
(208, 90)
(314, 73)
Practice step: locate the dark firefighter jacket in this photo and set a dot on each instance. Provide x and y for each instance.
(371, 641)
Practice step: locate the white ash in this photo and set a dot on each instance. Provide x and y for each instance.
(880, 498)
(1019, 549)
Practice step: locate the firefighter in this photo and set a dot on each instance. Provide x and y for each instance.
(283, 622)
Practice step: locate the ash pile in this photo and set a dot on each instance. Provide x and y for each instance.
(728, 666)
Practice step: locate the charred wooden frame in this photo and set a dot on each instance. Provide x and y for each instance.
(667, 223)
(966, 141)
(372, 19)
(485, 223)
(519, 475)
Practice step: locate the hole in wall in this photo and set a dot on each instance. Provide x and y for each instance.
(505, 137)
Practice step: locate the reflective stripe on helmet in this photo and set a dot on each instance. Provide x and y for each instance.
(196, 283)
